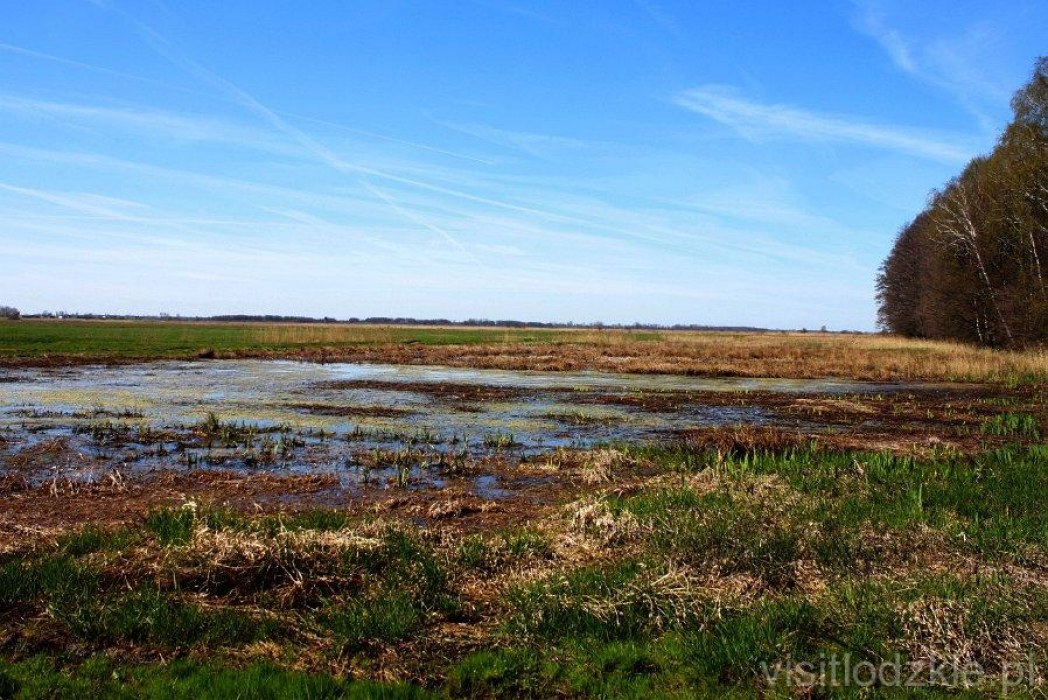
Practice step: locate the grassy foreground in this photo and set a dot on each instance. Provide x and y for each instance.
(794, 355)
(679, 571)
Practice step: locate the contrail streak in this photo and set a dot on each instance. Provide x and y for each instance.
(164, 47)
(419, 220)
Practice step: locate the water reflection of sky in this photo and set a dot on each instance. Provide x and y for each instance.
(278, 392)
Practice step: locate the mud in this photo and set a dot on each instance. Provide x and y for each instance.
(105, 444)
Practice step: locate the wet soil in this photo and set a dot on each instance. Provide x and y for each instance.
(105, 444)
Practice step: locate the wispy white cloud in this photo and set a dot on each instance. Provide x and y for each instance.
(870, 21)
(534, 144)
(165, 48)
(760, 200)
(757, 120)
(150, 122)
(390, 139)
(187, 126)
(567, 215)
(381, 220)
(562, 218)
(420, 220)
(60, 60)
(600, 238)
(955, 62)
(90, 204)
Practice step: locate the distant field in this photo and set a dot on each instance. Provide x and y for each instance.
(143, 339)
(785, 355)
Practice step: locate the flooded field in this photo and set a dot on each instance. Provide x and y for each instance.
(368, 424)
(397, 522)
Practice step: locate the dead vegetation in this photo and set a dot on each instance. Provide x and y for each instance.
(352, 411)
(865, 357)
(707, 354)
(734, 441)
(450, 392)
(751, 538)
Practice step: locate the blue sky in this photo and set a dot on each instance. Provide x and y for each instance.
(643, 160)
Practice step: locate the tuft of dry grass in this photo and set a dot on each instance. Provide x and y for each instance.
(733, 441)
(600, 466)
(667, 597)
(948, 633)
(593, 519)
(224, 561)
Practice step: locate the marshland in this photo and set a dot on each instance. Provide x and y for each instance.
(464, 349)
(337, 511)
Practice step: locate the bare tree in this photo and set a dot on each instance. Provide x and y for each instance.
(959, 228)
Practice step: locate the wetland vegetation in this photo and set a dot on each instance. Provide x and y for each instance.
(668, 570)
(255, 528)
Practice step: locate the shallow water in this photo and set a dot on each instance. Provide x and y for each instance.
(272, 392)
(335, 413)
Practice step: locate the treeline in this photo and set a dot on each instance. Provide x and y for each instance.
(396, 321)
(972, 266)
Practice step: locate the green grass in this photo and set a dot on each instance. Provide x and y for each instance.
(993, 500)
(172, 526)
(721, 568)
(563, 606)
(56, 579)
(39, 677)
(78, 597)
(403, 583)
(175, 526)
(90, 539)
(364, 595)
(162, 619)
(739, 644)
(487, 553)
(158, 340)
(629, 629)
(383, 620)
(1013, 425)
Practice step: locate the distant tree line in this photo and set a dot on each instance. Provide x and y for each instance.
(399, 321)
(9, 313)
(973, 265)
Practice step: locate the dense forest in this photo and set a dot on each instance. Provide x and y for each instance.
(972, 265)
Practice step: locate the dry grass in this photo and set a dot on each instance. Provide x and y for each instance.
(750, 552)
(772, 354)
(779, 355)
(730, 441)
(592, 519)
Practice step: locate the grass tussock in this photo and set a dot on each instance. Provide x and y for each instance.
(735, 441)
